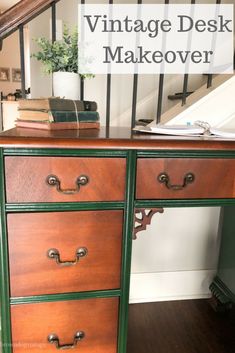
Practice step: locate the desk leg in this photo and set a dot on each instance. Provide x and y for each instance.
(223, 285)
(127, 249)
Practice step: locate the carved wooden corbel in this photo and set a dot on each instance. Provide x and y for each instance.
(141, 223)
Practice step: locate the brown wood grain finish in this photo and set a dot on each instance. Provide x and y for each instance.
(26, 178)
(97, 318)
(114, 137)
(22, 12)
(32, 272)
(214, 178)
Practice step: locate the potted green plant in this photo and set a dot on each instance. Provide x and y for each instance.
(60, 58)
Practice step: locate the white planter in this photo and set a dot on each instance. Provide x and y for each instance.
(66, 85)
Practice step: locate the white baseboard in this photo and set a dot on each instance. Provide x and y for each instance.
(162, 286)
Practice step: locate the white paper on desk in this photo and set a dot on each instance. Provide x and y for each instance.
(175, 130)
(187, 130)
(224, 133)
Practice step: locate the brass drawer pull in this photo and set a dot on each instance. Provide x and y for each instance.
(54, 339)
(55, 254)
(165, 179)
(53, 180)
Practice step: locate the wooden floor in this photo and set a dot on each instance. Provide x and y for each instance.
(189, 326)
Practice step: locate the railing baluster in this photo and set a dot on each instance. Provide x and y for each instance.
(53, 22)
(108, 92)
(186, 77)
(160, 90)
(209, 80)
(53, 28)
(185, 89)
(81, 78)
(22, 59)
(108, 100)
(134, 100)
(135, 91)
(160, 97)
(210, 76)
(81, 88)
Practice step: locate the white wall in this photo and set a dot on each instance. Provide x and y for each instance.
(10, 58)
(40, 84)
(177, 256)
(95, 89)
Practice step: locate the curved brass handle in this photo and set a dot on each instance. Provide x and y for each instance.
(165, 179)
(54, 339)
(53, 180)
(55, 254)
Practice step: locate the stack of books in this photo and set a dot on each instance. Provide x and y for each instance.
(57, 114)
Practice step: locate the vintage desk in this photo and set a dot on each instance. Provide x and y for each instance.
(68, 202)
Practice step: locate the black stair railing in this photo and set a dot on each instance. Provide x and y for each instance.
(108, 94)
(22, 59)
(210, 77)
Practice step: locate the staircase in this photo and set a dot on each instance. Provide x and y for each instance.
(15, 19)
(216, 105)
(20, 14)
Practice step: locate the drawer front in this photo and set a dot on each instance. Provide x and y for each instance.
(97, 319)
(29, 179)
(88, 244)
(168, 178)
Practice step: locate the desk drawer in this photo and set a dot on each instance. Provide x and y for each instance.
(96, 318)
(30, 179)
(168, 178)
(90, 242)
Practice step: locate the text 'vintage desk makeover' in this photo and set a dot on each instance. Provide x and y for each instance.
(68, 203)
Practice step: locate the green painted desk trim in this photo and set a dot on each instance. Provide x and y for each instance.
(63, 206)
(128, 205)
(65, 296)
(4, 270)
(63, 152)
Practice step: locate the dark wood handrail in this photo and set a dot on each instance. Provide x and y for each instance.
(21, 13)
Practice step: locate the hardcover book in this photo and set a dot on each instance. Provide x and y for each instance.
(56, 104)
(45, 125)
(58, 116)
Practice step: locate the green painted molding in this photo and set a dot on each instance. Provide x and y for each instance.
(186, 154)
(63, 206)
(65, 296)
(127, 251)
(63, 152)
(184, 203)
(117, 153)
(89, 206)
(4, 270)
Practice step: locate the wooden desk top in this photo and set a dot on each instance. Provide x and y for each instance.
(113, 138)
